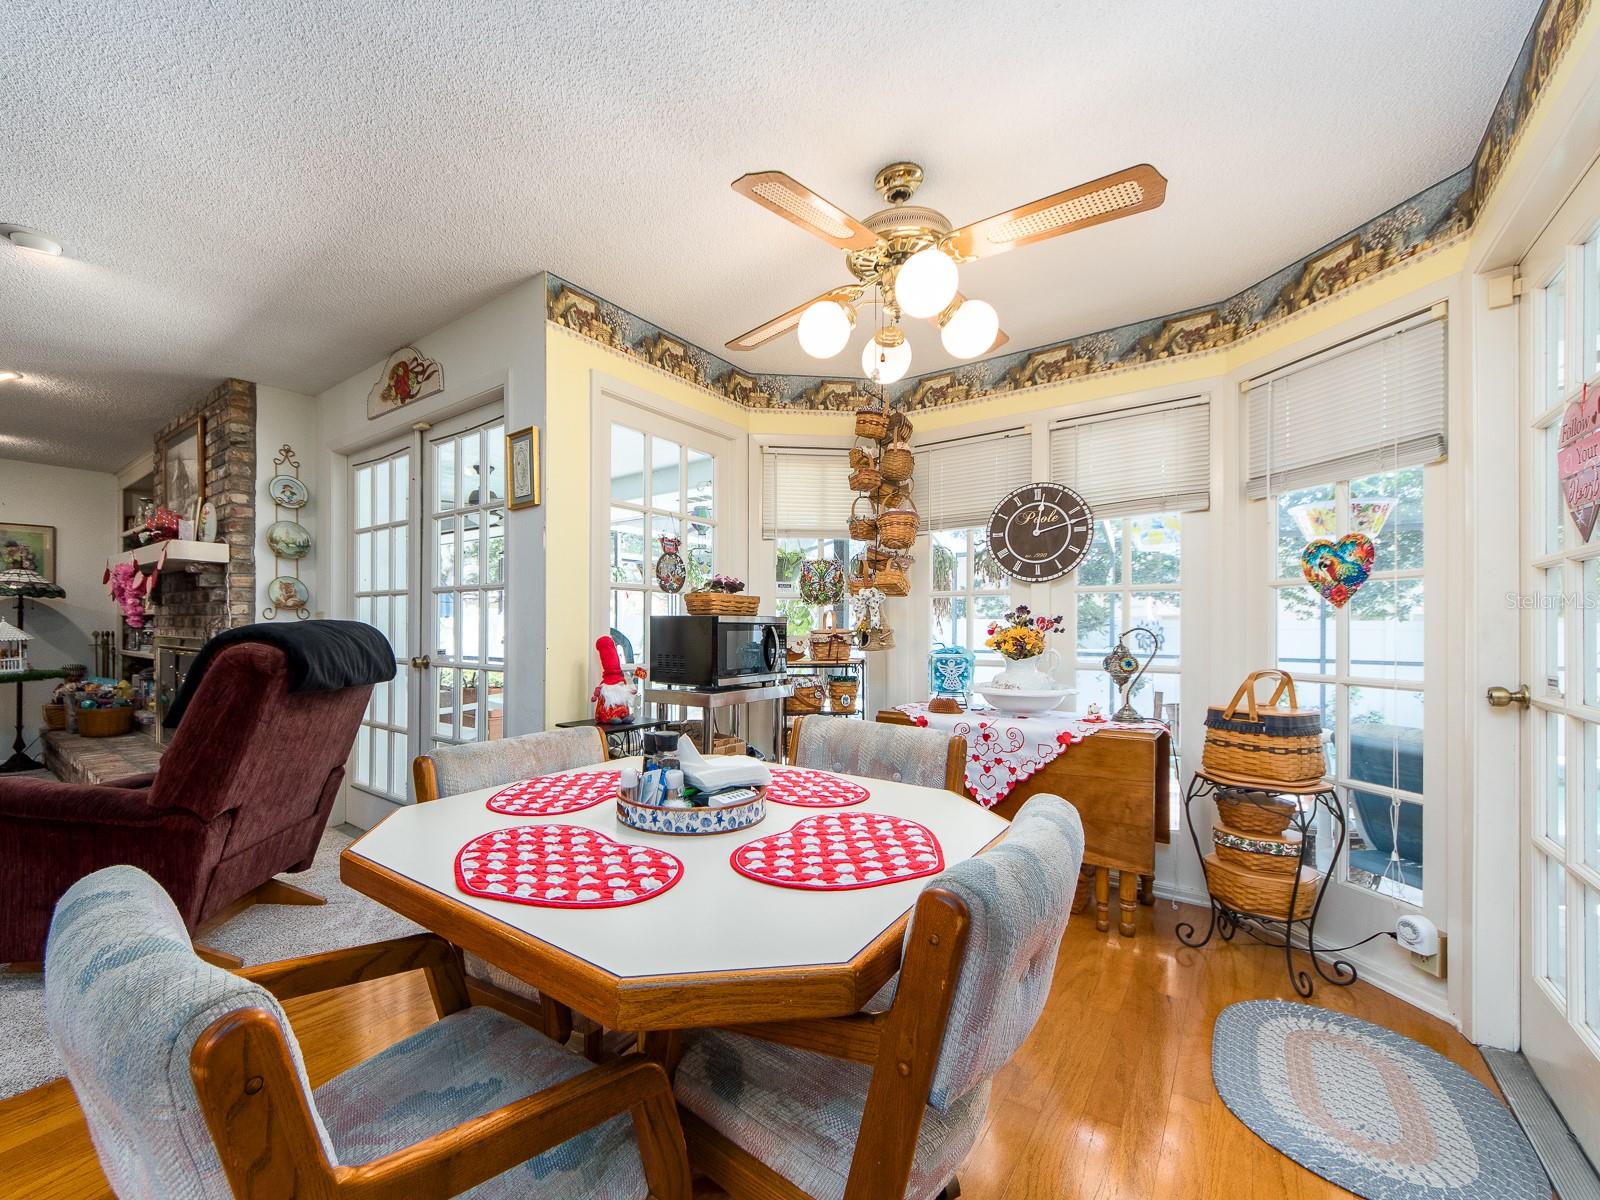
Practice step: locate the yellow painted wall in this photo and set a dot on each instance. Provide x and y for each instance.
(570, 363)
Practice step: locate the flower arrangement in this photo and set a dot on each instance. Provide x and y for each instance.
(1022, 634)
(730, 584)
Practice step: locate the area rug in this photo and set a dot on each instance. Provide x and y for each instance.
(1374, 1112)
(262, 933)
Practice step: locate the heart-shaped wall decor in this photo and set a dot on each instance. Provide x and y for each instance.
(835, 852)
(563, 866)
(1578, 459)
(1338, 569)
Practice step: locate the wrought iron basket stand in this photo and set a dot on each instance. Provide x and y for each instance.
(1275, 931)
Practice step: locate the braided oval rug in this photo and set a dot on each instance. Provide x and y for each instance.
(1374, 1112)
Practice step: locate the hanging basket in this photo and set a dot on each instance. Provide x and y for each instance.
(890, 495)
(830, 644)
(897, 527)
(872, 423)
(862, 529)
(866, 479)
(880, 638)
(899, 427)
(860, 457)
(1245, 740)
(877, 559)
(893, 579)
(897, 463)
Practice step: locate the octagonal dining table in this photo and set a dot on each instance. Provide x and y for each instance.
(718, 948)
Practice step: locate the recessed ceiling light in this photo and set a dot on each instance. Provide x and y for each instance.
(10, 376)
(29, 239)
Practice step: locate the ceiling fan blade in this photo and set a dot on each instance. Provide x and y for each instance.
(795, 202)
(784, 323)
(1121, 194)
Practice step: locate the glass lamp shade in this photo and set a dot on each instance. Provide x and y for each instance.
(926, 283)
(885, 364)
(825, 328)
(971, 329)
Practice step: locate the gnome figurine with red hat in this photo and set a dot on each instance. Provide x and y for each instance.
(613, 698)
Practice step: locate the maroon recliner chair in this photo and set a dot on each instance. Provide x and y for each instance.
(244, 792)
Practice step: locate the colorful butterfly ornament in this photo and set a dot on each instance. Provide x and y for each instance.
(1338, 569)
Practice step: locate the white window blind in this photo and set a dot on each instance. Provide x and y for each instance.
(805, 493)
(1146, 460)
(959, 482)
(1375, 405)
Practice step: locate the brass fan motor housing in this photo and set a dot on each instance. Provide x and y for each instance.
(898, 182)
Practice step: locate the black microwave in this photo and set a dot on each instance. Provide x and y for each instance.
(707, 652)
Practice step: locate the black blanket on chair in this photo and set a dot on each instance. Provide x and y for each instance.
(324, 656)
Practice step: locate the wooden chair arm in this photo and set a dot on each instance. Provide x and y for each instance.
(340, 968)
(457, 1159)
(854, 1038)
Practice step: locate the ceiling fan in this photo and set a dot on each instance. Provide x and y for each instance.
(912, 256)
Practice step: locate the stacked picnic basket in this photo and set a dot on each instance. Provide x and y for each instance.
(883, 514)
(1264, 758)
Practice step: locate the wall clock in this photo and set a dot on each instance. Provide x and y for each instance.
(1040, 532)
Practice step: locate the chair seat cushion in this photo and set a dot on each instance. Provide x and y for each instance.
(799, 1113)
(461, 1067)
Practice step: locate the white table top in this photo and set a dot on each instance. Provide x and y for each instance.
(714, 919)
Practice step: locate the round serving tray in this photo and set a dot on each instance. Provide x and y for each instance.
(650, 818)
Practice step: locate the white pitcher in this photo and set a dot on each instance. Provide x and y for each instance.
(1034, 674)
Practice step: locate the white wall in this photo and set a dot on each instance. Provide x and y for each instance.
(286, 418)
(85, 508)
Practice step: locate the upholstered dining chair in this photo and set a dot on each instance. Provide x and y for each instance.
(887, 1103)
(472, 766)
(193, 1086)
(904, 754)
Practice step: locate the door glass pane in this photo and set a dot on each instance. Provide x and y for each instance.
(1555, 924)
(627, 465)
(1303, 515)
(469, 706)
(363, 497)
(1555, 339)
(700, 554)
(471, 547)
(1386, 630)
(627, 623)
(380, 494)
(363, 562)
(471, 470)
(1591, 807)
(380, 560)
(496, 572)
(1555, 514)
(1591, 959)
(402, 486)
(1099, 622)
(1591, 306)
(1555, 652)
(495, 699)
(1386, 738)
(401, 634)
(1555, 786)
(664, 456)
(444, 475)
(1385, 852)
(471, 626)
(1388, 509)
(700, 486)
(495, 461)
(1308, 632)
(627, 546)
(1158, 611)
(445, 626)
(445, 535)
(444, 706)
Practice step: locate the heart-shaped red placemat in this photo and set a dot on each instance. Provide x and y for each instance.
(553, 795)
(563, 866)
(835, 852)
(814, 789)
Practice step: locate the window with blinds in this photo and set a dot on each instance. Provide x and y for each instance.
(1156, 458)
(959, 482)
(805, 493)
(1373, 405)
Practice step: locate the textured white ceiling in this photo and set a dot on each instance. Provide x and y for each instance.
(287, 191)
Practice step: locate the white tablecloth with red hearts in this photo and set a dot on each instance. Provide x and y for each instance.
(1004, 750)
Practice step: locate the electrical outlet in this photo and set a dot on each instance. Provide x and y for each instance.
(1434, 964)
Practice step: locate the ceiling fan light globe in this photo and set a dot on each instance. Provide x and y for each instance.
(885, 364)
(926, 283)
(825, 328)
(971, 329)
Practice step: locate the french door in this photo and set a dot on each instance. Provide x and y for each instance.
(1560, 602)
(428, 571)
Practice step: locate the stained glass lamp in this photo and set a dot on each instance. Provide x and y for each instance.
(24, 583)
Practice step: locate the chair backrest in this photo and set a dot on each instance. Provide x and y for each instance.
(474, 765)
(272, 758)
(126, 999)
(1018, 895)
(901, 753)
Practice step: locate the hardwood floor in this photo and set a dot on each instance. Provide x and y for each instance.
(1110, 1097)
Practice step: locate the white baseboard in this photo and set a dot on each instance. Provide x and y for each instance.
(364, 810)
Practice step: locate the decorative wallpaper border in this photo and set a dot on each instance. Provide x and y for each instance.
(1434, 218)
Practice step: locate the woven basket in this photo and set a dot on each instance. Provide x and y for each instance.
(860, 457)
(890, 495)
(881, 638)
(897, 464)
(897, 527)
(1254, 852)
(829, 644)
(1258, 814)
(872, 423)
(807, 699)
(842, 695)
(899, 427)
(104, 722)
(1261, 893)
(877, 558)
(55, 715)
(721, 604)
(894, 581)
(1247, 740)
(862, 529)
(865, 479)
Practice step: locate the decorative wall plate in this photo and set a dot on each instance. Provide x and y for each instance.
(288, 593)
(289, 539)
(287, 492)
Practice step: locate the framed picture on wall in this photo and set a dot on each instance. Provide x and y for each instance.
(522, 467)
(29, 548)
(183, 467)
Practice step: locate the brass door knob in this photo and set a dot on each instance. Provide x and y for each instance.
(1500, 697)
(421, 663)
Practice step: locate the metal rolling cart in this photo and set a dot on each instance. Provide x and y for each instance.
(710, 700)
(1269, 929)
(855, 666)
